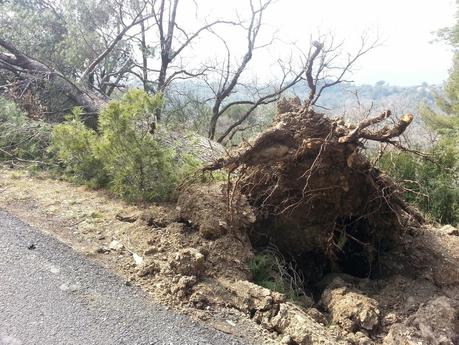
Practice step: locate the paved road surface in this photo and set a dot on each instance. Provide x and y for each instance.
(51, 295)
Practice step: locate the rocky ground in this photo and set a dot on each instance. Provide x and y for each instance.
(190, 257)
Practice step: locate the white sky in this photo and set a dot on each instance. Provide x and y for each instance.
(407, 56)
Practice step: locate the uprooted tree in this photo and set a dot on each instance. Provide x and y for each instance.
(317, 196)
(315, 191)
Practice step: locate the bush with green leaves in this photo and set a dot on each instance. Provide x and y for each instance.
(431, 185)
(124, 154)
(75, 145)
(139, 167)
(22, 138)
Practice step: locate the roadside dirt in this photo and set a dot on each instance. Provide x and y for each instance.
(136, 242)
(194, 258)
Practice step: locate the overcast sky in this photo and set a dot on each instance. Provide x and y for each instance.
(407, 56)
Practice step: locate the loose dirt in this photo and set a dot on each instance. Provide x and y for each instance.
(194, 257)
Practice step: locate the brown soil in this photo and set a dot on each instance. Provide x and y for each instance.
(194, 257)
(152, 246)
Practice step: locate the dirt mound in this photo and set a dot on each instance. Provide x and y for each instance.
(435, 323)
(202, 245)
(275, 313)
(208, 208)
(350, 309)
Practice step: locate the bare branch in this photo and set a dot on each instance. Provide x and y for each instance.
(136, 21)
(230, 80)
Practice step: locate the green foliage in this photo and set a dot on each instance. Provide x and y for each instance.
(123, 154)
(21, 137)
(139, 167)
(74, 145)
(432, 187)
(270, 270)
(64, 34)
(263, 273)
(445, 119)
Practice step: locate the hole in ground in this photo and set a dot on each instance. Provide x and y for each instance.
(354, 252)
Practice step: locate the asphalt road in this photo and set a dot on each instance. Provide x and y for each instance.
(51, 295)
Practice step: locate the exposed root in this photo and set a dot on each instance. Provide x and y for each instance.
(314, 190)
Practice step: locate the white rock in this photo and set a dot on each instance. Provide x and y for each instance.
(231, 323)
(449, 230)
(115, 245)
(137, 259)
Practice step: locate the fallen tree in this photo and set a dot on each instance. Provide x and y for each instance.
(316, 195)
(28, 70)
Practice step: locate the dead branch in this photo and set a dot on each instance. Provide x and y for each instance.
(382, 135)
(322, 60)
(230, 76)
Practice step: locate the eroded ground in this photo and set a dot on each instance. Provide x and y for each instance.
(203, 272)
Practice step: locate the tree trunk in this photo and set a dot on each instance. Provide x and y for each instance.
(26, 67)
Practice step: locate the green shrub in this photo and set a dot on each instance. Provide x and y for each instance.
(123, 155)
(432, 186)
(20, 137)
(271, 270)
(139, 168)
(74, 145)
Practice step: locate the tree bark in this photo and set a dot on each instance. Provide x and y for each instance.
(26, 67)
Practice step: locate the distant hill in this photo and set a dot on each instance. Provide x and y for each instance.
(347, 95)
(355, 101)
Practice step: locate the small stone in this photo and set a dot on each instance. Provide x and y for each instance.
(390, 319)
(231, 323)
(102, 250)
(188, 261)
(126, 218)
(286, 340)
(449, 230)
(137, 259)
(149, 269)
(150, 251)
(115, 245)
